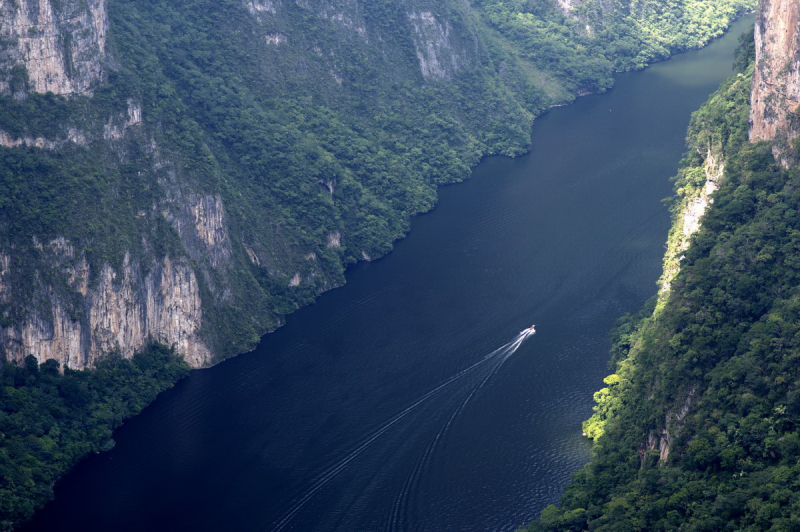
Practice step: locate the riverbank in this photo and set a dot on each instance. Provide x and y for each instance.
(711, 370)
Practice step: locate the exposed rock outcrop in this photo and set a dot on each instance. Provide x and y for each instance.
(674, 422)
(74, 136)
(120, 312)
(210, 228)
(275, 39)
(7, 141)
(775, 100)
(335, 240)
(432, 41)
(689, 219)
(119, 309)
(566, 5)
(52, 46)
(200, 221)
(346, 15)
(117, 125)
(714, 169)
(257, 7)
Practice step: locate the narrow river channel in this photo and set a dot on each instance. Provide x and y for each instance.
(406, 401)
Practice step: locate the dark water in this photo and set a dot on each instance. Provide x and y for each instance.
(381, 407)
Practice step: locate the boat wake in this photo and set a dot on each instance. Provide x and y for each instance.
(484, 369)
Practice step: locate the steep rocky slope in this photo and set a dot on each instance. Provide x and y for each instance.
(64, 296)
(699, 426)
(52, 47)
(190, 173)
(776, 86)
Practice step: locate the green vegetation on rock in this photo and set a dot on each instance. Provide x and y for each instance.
(699, 428)
(583, 43)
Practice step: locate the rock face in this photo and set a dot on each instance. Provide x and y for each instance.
(689, 220)
(775, 100)
(81, 314)
(120, 309)
(52, 46)
(123, 310)
(566, 5)
(696, 207)
(435, 51)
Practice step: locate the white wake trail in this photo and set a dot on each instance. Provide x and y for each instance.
(502, 352)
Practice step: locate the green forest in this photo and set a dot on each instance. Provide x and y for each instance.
(50, 419)
(710, 371)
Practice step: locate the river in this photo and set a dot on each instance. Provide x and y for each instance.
(385, 406)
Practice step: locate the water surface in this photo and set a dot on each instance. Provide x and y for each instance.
(382, 407)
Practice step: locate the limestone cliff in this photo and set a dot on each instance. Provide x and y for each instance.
(120, 313)
(775, 100)
(52, 46)
(716, 135)
(695, 201)
(432, 42)
(78, 314)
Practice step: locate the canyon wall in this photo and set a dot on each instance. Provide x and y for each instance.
(775, 100)
(707, 364)
(51, 46)
(192, 175)
(187, 265)
(120, 313)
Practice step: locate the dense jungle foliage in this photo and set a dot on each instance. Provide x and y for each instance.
(595, 37)
(699, 427)
(50, 420)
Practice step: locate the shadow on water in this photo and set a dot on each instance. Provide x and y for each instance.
(387, 406)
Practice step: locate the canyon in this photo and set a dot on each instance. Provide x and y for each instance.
(215, 243)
